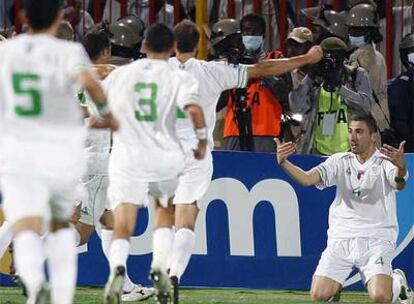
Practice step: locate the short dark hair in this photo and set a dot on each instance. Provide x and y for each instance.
(253, 18)
(368, 119)
(96, 41)
(187, 35)
(159, 38)
(41, 13)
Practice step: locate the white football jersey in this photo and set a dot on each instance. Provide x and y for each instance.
(144, 96)
(98, 141)
(214, 77)
(364, 204)
(37, 86)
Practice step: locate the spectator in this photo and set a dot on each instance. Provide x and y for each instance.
(80, 20)
(327, 22)
(65, 31)
(253, 116)
(299, 41)
(126, 40)
(327, 97)
(401, 95)
(5, 9)
(364, 32)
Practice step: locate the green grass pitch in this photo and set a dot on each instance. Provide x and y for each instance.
(11, 295)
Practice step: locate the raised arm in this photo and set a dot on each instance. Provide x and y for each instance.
(276, 67)
(304, 178)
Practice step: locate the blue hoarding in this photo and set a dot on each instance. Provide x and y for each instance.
(257, 229)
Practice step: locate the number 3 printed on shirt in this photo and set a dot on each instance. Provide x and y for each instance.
(24, 84)
(148, 106)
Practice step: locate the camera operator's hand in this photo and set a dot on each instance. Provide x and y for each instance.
(284, 150)
(314, 55)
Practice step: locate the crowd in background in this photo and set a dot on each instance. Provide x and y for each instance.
(310, 106)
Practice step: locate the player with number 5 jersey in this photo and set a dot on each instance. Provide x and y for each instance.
(42, 147)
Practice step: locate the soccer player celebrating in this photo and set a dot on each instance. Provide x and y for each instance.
(94, 210)
(363, 225)
(193, 183)
(40, 123)
(146, 155)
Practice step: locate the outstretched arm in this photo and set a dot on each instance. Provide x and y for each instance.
(305, 178)
(278, 67)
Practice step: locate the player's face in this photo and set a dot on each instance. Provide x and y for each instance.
(360, 137)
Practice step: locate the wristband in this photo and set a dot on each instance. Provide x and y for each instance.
(201, 133)
(103, 108)
(399, 180)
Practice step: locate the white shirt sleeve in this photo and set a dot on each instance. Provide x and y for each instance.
(228, 76)
(328, 171)
(187, 91)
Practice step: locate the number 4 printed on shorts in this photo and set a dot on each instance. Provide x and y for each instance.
(380, 261)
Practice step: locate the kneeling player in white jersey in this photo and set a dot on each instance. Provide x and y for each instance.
(40, 123)
(363, 224)
(215, 78)
(146, 154)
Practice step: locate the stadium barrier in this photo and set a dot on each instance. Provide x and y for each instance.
(257, 229)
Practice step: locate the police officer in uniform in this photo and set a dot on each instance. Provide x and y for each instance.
(401, 95)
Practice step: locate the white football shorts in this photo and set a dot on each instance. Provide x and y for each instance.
(371, 256)
(194, 181)
(95, 201)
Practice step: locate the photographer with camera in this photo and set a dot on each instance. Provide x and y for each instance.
(254, 113)
(327, 97)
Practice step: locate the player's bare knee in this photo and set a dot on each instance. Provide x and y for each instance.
(380, 296)
(321, 295)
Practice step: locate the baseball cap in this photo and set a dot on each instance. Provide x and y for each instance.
(301, 35)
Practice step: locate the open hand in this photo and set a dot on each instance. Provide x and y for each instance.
(394, 155)
(284, 150)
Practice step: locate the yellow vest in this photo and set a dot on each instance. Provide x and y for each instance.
(338, 142)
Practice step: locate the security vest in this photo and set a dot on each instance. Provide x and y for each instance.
(266, 110)
(332, 118)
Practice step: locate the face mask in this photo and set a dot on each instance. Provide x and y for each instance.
(411, 58)
(252, 43)
(357, 41)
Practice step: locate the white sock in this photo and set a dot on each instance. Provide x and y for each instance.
(62, 262)
(29, 260)
(106, 240)
(184, 241)
(396, 287)
(6, 236)
(118, 254)
(162, 242)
